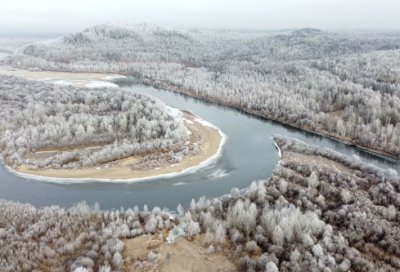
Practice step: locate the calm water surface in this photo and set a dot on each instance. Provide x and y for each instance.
(249, 154)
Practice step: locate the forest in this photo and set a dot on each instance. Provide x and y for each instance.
(72, 127)
(337, 83)
(319, 211)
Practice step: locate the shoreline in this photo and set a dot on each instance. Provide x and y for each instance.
(120, 172)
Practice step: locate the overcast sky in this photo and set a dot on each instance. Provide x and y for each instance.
(44, 16)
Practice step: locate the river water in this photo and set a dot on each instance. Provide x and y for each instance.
(248, 155)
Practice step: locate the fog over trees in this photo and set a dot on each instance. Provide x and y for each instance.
(305, 217)
(79, 127)
(345, 84)
(12, 44)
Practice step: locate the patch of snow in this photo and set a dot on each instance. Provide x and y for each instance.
(63, 82)
(114, 77)
(47, 78)
(98, 168)
(204, 122)
(176, 113)
(176, 232)
(219, 173)
(190, 122)
(173, 165)
(47, 151)
(182, 150)
(279, 150)
(81, 269)
(177, 184)
(92, 84)
(101, 84)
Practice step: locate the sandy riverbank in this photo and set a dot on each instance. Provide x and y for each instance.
(60, 75)
(119, 170)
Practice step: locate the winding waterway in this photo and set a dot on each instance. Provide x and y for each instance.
(248, 155)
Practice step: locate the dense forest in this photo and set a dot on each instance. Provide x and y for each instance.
(319, 211)
(73, 127)
(344, 84)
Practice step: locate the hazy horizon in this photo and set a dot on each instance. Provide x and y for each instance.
(59, 34)
(58, 18)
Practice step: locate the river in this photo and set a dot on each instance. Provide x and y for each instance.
(248, 155)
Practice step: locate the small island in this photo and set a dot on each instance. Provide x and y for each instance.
(208, 138)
